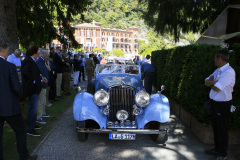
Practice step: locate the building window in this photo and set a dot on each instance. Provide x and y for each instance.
(94, 33)
(103, 33)
(88, 34)
(82, 33)
(112, 34)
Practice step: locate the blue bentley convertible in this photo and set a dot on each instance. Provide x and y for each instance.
(117, 105)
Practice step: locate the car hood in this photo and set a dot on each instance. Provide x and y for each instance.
(107, 81)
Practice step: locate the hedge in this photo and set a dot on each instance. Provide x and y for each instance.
(183, 71)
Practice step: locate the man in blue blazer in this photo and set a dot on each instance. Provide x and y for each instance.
(10, 109)
(43, 57)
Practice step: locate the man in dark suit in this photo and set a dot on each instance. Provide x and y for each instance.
(10, 109)
(32, 86)
(59, 64)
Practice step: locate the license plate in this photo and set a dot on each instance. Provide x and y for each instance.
(114, 136)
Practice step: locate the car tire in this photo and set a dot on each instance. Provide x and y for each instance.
(159, 138)
(82, 136)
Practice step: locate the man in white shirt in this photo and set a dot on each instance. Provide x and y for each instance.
(15, 59)
(138, 61)
(221, 83)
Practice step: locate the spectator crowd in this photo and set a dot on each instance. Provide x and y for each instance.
(41, 78)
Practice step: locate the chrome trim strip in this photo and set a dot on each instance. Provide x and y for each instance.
(130, 131)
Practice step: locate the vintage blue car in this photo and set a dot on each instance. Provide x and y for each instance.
(117, 104)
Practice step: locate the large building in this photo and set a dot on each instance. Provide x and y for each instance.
(93, 35)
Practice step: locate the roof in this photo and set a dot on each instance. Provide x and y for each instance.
(87, 25)
(95, 24)
(115, 29)
(216, 33)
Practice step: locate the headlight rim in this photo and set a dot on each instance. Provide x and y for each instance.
(140, 105)
(97, 103)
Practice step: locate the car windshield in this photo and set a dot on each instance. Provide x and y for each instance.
(118, 69)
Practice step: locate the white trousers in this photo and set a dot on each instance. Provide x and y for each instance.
(41, 104)
(75, 78)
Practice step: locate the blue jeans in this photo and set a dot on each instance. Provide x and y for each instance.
(32, 112)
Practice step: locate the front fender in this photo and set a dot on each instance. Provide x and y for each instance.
(84, 108)
(157, 110)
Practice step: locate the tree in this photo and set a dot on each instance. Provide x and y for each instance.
(117, 52)
(147, 52)
(35, 22)
(113, 13)
(176, 16)
(8, 23)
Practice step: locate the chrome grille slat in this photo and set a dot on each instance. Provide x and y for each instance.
(121, 98)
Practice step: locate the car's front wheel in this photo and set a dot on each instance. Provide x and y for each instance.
(82, 136)
(159, 138)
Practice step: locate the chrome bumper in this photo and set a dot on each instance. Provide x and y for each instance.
(129, 131)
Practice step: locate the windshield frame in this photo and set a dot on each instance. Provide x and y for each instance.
(119, 69)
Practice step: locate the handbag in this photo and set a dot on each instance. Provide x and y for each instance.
(207, 106)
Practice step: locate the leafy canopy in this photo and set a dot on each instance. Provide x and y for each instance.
(38, 19)
(176, 16)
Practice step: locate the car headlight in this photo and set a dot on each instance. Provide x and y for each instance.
(122, 115)
(142, 99)
(101, 98)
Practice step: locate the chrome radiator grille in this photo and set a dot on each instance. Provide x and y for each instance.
(121, 98)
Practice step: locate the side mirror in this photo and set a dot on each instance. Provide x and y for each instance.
(163, 87)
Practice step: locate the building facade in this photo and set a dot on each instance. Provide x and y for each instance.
(93, 35)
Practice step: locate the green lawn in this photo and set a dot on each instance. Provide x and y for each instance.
(56, 111)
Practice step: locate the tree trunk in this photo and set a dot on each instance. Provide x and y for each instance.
(8, 23)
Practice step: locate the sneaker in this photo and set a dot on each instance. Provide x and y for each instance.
(221, 158)
(49, 105)
(46, 115)
(33, 133)
(41, 121)
(38, 127)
